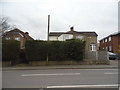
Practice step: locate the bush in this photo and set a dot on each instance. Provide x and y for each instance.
(36, 50)
(75, 49)
(55, 50)
(10, 50)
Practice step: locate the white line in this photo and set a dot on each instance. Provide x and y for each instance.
(78, 86)
(60, 74)
(110, 73)
(97, 69)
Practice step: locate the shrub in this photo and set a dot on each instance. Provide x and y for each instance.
(55, 50)
(10, 50)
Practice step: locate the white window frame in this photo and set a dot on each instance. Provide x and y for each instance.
(110, 38)
(110, 48)
(92, 47)
(17, 38)
(106, 48)
(103, 41)
(7, 38)
(106, 40)
(80, 37)
(65, 37)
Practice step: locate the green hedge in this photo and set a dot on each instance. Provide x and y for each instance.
(10, 50)
(55, 50)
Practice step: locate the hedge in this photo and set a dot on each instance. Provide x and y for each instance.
(55, 50)
(10, 50)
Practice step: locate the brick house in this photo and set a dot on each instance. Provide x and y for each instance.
(89, 37)
(18, 35)
(111, 43)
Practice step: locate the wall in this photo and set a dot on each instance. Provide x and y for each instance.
(96, 55)
(90, 40)
(102, 55)
(114, 43)
(85, 62)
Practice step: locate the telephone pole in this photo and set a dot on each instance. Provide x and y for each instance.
(48, 27)
(47, 60)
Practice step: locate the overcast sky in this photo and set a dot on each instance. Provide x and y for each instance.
(100, 16)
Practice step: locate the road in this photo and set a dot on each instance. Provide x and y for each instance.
(60, 78)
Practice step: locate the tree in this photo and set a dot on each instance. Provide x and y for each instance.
(5, 26)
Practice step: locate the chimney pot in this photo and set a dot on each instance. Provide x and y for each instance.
(72, 28)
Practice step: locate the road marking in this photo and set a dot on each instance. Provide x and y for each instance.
(110, 73)
(60, 74)
(97, 69)
(81, 86)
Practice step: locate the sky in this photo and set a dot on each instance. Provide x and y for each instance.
(31, 16)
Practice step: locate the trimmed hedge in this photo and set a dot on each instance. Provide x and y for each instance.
(10, 50)
(55, 50)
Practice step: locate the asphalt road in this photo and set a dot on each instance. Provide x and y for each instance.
(60, 78)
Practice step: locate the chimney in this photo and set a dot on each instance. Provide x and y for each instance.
(71, 28)
(27, 35)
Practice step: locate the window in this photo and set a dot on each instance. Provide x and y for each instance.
(106, 40)
(79, 37)
(109, 38)
(17, 38)
(65, 37)
(110, 48)
(92, 47)
(7, 38)
(15, 32)
(106, 48)
(103, 41)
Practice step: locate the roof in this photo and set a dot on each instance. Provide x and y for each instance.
(73, 32)
(56, 33)
(114, 34)
(14, 31)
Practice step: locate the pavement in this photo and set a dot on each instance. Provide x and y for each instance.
(113, 65)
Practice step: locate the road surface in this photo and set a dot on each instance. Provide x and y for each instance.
(60, 78)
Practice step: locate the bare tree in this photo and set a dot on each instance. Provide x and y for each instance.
(4, 26)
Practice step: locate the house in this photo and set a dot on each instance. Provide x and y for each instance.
(89, 37)
(111, 43)
(18, 35)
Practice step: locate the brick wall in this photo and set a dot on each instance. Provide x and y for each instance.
(115, 42)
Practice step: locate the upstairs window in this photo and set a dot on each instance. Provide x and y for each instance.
(7, 38)
(65, 37)
(106, 40)
(109, 38)
(17, 38)
(103, 41)
(79, 37)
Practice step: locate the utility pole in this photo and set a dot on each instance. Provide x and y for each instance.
(48, 27)
(47, 60)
